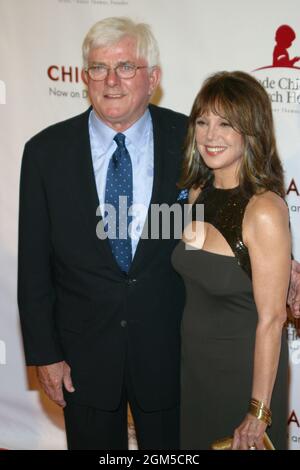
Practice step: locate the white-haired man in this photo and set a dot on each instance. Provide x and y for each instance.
(105, 329)
(101, 315)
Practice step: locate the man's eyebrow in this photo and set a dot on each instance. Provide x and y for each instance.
(95, 62)
(121, 62)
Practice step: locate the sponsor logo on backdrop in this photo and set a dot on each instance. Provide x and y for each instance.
(294, 420)
(2, 92)
(67, 81)
(281, 80)
(2, 353)
(65, 73)
(293, 189)
(284, 38)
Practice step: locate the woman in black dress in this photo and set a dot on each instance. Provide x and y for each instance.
(236, 267)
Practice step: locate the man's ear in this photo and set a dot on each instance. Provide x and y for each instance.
(154, 78)
(84, 76)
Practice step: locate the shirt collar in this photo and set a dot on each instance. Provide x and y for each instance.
(103, 135)
(136, 134)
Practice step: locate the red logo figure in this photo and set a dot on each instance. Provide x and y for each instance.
(284, 37)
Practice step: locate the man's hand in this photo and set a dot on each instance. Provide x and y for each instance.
(52, 378)
(294, 291)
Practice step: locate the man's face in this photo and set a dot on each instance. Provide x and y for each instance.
(117, 101)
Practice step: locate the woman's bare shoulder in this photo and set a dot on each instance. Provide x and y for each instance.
(267, 205)
(266, 212)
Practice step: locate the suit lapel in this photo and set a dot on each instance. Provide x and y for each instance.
(162, 186)
(83, 184)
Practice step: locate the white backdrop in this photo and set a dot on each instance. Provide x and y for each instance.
(40, 51)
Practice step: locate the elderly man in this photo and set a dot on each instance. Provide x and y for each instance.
(101, 315)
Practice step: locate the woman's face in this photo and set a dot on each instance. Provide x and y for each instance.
(220, 146)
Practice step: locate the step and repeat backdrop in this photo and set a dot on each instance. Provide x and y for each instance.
(40, 83)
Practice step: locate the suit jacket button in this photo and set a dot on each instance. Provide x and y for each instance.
(131, 282)
(123, 323)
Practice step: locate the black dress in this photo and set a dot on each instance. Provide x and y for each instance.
(218, 333)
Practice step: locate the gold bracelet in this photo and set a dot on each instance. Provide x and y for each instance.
(260, 411)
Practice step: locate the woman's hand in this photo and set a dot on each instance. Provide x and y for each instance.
(249, 435)
(294, 290)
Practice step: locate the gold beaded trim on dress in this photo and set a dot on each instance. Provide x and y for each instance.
(224, 209)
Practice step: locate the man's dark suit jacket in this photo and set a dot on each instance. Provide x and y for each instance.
(75, 303)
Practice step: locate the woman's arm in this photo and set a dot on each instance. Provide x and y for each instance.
(266, 234)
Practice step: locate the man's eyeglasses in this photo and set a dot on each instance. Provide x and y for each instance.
(123, 70)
